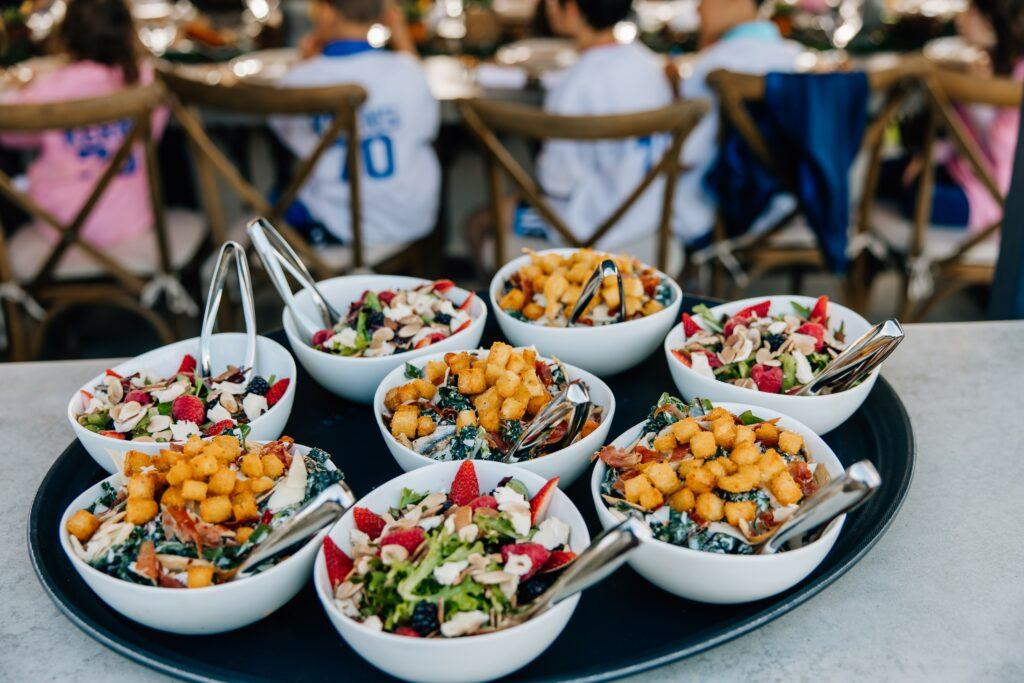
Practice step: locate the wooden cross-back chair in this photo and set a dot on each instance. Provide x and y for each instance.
(342, 102)
(943, 263)
(45, 280)
(487, 119)
(762, 253)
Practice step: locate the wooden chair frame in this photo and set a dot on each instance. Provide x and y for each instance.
(945, 90)
(487, 119)
(735, 91)
(122, 288)
(341, 101)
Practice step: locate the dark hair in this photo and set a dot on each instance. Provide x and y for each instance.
(359, 11)
(1007, 19)
(102, 31)
(602, 14)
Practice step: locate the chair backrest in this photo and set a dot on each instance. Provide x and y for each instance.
(134, 105)
(341, 102)
(487, 119)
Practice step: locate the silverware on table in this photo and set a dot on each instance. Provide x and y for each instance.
(606, 269)
(857, 360)
(213, 299)
(572, 403)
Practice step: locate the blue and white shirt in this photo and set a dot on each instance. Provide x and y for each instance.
(401, 176)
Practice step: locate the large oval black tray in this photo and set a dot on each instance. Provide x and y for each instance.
(306, 647)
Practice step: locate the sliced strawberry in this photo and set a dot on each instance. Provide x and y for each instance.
(540, 502)
(468, 302)
(88, 396)
(409, 539)
(111, 373)
(483, 502)
(430, 339)
(537, 554)
(368, 522)
(819, 314)
(465, 486)
(275, 392)
(112, 434)
(760, 310)
(216, 429)
(385, 297)
(690, 326)
(321, 336)
(188, 365)
(713, 360)
(138, 396)
(814, 330)
(339, 565)
(557, 560)
(443, 285)
(463, 326)
(682, 357)
(407, 631)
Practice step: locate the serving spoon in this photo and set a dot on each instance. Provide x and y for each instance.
(573, 403)
(857, 360)
(229, 250)
(606, 269)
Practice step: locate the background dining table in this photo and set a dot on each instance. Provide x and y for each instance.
(939, 597)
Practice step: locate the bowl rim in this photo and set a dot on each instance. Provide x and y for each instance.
(460, 641)
(296, 339)
(831, 531)
(143, 590)
(500, 277)
(123, 443)
(674, 362)
(381, 391)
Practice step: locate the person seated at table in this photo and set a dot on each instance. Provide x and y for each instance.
(961, 199)
(401, 175)
(734, 38)
(98, 39)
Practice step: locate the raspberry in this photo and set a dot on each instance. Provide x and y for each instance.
(690, 326)
(275, 392)
(775, 341)
(188, 365)
(138, 396)
(338, 563)
(483, 502)
(321, 336)
(407, 631)
(188, 408)
(257, 385)
(768, 378)
(814, 330)
(537, 553)
(216, 429)
(465, 486)
(409, 539)
(424, 618)
(368, 522)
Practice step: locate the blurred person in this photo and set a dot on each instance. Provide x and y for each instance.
(401, 175)
(99, 41)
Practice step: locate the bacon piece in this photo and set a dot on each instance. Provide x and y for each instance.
(146, 563)
(618, 458)
(166, 581)
(179, 524)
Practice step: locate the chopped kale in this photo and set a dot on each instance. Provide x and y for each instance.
(610, 475)
(106, 499)
(757, 496)
(511, 430)
(412, 372)
(676, 530)
(449, 397)
(748, 418)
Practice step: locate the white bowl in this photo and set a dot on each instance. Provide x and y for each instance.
(357, 378)
(226, 347)
(603, 350)
(200, 611)
(567, 464)
(820, 413)
(727, 579)
(452, 660)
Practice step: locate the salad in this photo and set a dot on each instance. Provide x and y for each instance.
(776, 353)
(188, 516)
(545, 290)
(475, 404)
(146, 407)
(450, 564)
(390, 322)
(717, 483)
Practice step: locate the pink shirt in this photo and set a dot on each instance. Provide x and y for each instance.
(70, 162)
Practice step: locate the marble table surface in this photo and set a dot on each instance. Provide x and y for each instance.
(940, 597)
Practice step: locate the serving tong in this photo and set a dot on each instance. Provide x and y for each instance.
(857, 360)
(573, 403)
(275, 253)
(229, 250)
(606, 269)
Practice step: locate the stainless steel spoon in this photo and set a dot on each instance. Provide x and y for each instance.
(213, 298)
(606, 268)
(573, 403)
(857, 360)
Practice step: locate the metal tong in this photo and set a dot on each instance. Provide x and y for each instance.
(213, 299)
(604, 270)
(322, 511)
(275, 252)
(573, 402)
(857, 360)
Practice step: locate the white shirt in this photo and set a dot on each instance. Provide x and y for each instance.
(755, 48)
(587, 181)
(400, 173)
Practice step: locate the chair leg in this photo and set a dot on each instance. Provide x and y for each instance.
(16, 340)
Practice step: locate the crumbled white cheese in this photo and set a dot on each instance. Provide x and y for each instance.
(448, 573)
(506, 495)
(551, 533)
(463, 623)
(521, 521)
(346, 338)
(373, 623)
(182, 430)
(518, 565)
(804, 374)
(170, 393)
(233, 388)
(468, 533)
(430, 522)
(700, 365)
(254, 405)
(397, 311)
(293, 489)
(359, 537)
(217, 414)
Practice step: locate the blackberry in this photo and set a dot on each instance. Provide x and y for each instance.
(424, 618)
(258, 385)
(442, 318)
(531, 590)
(374, 319)
(775, 341)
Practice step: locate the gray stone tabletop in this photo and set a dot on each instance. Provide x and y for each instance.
(939, 598)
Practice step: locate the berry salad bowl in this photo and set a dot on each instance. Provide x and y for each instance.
(196, 611)
(463, 658)
(567, 463)
(720, 578)
(226, 348)
(822, 413)
(356, 378)
(603, 350)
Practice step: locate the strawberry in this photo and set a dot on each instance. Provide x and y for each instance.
(386, 297)
(732, 322)
(321, 336)
(557, 560)
(467, 302)
(275, 392)
(409, 539)
(137, 396)
(111, 373)
(690, 326)
(682, 357)
(339, 565)
(443, 285)
(188, 408)
(407, 631)
(112, 434)
(368, 522)
(483, 502)
(463, 326)
(814, 330)
(465, 486)
(819, 314)
(539, 503)
(768, 378)
(713, 360)
(760, 310)
(188, 365)
(216, 429)
(537, 553)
